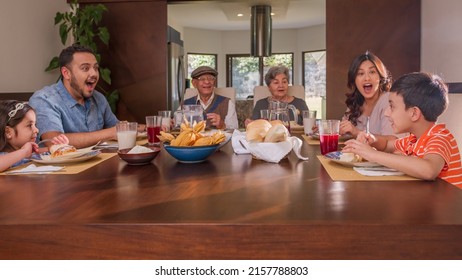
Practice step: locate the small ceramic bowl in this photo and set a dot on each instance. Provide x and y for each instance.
(192, 154)
(140, 158)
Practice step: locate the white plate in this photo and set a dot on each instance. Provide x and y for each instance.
(47, 159)
(335, 157)
(78, 153)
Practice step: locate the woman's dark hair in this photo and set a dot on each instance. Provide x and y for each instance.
(11, 113)
(354, 99)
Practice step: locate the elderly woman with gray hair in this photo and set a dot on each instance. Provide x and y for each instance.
(277, 80)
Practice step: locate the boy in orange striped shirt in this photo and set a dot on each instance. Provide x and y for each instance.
(416, 101)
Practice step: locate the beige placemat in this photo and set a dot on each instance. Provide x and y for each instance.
(72, 168)
(339, 172)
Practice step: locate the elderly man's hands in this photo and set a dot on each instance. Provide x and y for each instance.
(216, 120)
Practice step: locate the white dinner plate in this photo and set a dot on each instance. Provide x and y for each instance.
(47, 159)
(335, 157)
(78, 153)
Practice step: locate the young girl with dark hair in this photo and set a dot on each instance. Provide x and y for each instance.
(18, 134)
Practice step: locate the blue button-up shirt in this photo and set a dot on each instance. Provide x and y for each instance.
(56, 110)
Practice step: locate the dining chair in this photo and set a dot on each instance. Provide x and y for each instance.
(229, 92)
(260, 92)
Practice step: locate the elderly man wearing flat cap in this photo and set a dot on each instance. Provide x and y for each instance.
(219, 111)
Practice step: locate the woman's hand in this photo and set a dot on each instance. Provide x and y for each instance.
(347, 127)
(364, 137)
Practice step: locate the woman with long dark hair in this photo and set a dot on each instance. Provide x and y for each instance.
(369, 82)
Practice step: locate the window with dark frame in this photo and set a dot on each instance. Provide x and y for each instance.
(314, 73)
(314, 80)
(195, 60)
(244, 72)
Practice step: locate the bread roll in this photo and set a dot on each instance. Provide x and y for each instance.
(61, 149)
(277, 133)
(350, 157)
(256, 130)
(275, 122)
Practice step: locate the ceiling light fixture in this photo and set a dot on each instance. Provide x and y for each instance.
(260, 31)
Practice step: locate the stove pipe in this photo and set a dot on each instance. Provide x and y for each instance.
(260, 31)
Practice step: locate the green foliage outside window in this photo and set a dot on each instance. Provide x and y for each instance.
(196, 60)
(248, 71)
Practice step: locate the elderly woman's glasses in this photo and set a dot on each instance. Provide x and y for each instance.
(206, 78)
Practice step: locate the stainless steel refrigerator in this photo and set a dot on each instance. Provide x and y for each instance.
(176, 75)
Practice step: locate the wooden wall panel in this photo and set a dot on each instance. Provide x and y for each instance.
(388, 28)
(137, 55)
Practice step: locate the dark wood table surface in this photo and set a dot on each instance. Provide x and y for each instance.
(229, 207)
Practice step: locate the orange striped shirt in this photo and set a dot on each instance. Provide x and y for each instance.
(437, 140)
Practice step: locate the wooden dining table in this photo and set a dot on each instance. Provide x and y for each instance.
(229, 207)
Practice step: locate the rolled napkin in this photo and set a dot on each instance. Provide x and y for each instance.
(270, 152)
(377, 171)
(36, 169)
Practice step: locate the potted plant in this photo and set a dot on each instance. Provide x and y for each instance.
(83, 24)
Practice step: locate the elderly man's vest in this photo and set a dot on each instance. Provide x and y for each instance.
(218, 106)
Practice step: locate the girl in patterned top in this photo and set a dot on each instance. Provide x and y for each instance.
(431, 151)
(18, 134)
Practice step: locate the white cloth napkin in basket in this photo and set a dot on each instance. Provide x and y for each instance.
(270, 152)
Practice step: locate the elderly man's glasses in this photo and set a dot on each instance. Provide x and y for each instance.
(206, 78)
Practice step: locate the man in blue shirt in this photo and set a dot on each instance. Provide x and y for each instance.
(72, 106)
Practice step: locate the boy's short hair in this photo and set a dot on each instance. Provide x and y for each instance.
(426, 91)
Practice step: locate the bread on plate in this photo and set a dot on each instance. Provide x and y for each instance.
(61, 149)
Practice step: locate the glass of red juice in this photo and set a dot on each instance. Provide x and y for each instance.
(328, 135)
(153, 125)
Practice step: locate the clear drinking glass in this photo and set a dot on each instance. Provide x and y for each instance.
(309, 120)
(328, 135)
(166, 120)
(193, 113)
(153, 125)
(126, 134)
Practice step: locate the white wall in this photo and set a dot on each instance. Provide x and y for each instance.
(441, 53)
(441, 49)
(29, 41)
